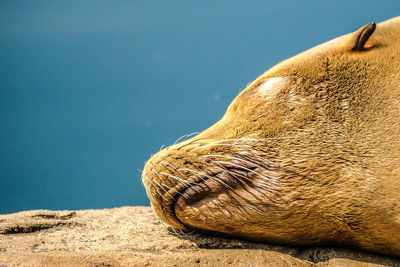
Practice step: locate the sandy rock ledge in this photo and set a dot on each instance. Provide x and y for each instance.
(133, 236)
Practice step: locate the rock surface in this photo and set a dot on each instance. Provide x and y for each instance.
(133, 236)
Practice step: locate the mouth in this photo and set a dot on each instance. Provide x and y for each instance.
(205, 190)
(199, 189)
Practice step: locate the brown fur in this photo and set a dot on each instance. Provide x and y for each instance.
(317, 163)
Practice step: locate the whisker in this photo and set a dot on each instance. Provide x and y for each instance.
(169, 164)
(141, 172)
(178, 179)
(249, 170)
(235, 158)
(234, 174)
(179, 233)
(208, 176)
(225, 145)
(221, 166)
(244, 140)
(158, 192)
(192, 142)
(162, 187)
(185, 136)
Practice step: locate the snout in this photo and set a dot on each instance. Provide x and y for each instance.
(197, 174)
(162, 191)
(167, 175)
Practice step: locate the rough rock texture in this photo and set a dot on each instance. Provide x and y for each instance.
(133, 236)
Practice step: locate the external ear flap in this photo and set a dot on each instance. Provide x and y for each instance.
(358, 39)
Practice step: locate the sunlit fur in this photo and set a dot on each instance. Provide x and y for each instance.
(315, 162)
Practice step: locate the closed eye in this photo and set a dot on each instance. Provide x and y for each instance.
(270, 87)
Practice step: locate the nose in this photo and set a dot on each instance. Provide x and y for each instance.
(164, 182)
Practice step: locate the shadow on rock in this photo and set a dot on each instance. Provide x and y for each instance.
(210, 240)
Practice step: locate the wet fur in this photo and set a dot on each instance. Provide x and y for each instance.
(319, 163)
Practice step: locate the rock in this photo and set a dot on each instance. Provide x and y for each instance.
(133, 236)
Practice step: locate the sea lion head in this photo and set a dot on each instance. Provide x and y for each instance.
(308, 153)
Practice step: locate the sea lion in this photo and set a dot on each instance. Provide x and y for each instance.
(307, 154)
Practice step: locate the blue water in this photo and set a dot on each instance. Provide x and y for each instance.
(89, 89)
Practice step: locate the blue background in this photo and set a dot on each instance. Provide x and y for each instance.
(89, 89)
